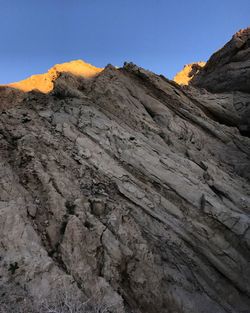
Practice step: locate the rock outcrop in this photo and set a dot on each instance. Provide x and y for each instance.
(228, 69)
(226, 78)
(128, 190)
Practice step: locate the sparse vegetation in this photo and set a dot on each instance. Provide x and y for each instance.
(65, 300)
(13, 267)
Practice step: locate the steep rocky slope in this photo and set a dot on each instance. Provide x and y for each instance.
(127, 188)
(228, 69)
(226, 78)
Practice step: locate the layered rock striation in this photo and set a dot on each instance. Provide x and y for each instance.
(225, 78)
(128, 189)
(228, 69)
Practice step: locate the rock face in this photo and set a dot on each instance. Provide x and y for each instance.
(229, 68)
(128, 189)
(226, 77)
(188, 72)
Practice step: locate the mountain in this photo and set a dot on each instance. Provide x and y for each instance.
(228, 69)
(44, 82)
(124, 192)
(227, 73)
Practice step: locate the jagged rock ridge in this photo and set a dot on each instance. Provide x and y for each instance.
(126, 186)
(226, 73)
(228, 69)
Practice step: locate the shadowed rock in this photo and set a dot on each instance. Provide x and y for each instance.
(228, 69)
(127, 188)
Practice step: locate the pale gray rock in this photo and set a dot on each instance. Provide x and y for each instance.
(132, 189)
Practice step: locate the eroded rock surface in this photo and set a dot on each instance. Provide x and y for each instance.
(228, 69)
(223, 82)
(128, 187)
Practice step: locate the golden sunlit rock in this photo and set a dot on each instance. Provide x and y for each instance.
(44, 82)
(188, 72)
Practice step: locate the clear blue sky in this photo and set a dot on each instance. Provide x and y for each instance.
(159, 35)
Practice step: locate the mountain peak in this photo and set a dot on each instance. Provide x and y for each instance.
(44, 82)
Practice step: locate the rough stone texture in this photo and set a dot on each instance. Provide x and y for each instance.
(10, 96)
(129, 187)
(228, 69)
(226, 77)
(229, 108)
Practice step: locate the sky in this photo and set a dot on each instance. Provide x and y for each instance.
(158, 35)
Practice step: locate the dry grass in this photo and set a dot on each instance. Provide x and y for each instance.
(14, 299)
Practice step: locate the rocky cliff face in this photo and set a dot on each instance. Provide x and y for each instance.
(226, 79)
(125, 189)
(228, 69)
